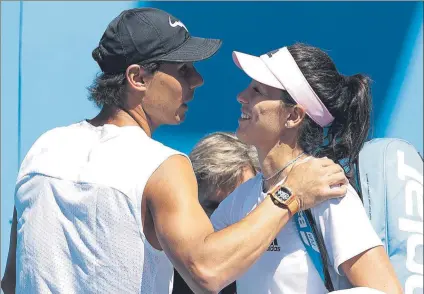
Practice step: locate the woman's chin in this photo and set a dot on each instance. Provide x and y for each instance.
(242, 135)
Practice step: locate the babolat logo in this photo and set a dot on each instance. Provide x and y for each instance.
(412, 223)
(301, 219)
(312, 241)
(274, 246)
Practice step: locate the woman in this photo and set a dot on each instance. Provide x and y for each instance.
(299, 106)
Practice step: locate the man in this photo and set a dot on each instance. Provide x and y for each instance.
(101, 207)
(221, 163)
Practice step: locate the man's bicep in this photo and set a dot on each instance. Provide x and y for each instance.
(180, 221)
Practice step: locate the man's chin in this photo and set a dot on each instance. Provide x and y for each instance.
(180, 115)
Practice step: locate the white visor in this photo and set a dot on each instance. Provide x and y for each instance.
(278, 69)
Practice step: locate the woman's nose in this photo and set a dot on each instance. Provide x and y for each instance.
(242, 98)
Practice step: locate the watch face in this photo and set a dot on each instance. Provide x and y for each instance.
(282, 194)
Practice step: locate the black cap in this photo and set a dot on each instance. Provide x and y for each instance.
(143, 35)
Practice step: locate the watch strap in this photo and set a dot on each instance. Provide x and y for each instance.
(292, 204)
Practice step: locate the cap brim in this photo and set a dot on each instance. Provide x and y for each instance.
(255, 68)
(194, 49)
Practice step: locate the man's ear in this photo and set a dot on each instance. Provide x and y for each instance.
(296, 116)
(136, 77)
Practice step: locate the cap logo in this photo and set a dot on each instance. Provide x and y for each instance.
(177, 24)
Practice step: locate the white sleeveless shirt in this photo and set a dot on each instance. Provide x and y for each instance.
(78, 199)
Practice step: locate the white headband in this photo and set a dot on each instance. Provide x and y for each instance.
(278, 69)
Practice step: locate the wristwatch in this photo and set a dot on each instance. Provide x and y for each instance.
(283, 196)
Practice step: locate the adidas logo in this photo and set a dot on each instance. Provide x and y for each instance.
(274, 246)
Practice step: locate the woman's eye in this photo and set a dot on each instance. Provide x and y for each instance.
(257, 91)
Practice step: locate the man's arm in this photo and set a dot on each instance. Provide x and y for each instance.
(208, 260)
(8, 282)
(372, 269)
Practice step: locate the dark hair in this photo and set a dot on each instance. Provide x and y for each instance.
(109, 88)
(348, 99)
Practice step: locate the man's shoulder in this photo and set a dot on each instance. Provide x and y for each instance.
(54, 135)
(156, 149)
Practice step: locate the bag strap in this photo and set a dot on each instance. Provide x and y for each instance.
(356, 181)
(314, 245)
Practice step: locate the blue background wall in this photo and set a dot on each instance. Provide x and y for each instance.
(50, 76)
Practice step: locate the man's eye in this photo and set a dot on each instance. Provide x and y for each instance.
(183, 69)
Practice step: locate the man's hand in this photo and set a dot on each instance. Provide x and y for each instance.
(316, 180)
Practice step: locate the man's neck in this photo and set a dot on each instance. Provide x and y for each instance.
(120, 117)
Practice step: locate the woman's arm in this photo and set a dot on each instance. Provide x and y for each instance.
(372, 268)
(353, 246)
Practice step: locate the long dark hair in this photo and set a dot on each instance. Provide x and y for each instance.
(348, 98)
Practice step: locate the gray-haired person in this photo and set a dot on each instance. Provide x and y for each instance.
(103, 208)
(221, 162)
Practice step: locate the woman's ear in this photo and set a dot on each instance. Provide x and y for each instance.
(296, 115)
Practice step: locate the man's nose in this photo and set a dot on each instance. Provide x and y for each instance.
(196, 80)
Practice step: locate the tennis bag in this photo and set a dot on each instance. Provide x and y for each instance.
(390, 173)
(389, 177)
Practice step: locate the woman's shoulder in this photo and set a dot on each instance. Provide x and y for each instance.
(230, 210)
(351, 195)
(249, 184)
(246, 190)
(347, 206)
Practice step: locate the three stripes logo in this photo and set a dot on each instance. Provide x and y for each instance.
(274, 246)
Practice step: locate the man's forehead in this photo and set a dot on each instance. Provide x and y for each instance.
(176, 63)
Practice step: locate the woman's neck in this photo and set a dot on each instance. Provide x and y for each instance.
(276, 163)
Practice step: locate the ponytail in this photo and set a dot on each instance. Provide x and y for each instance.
(348, 98)
(349, 130)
